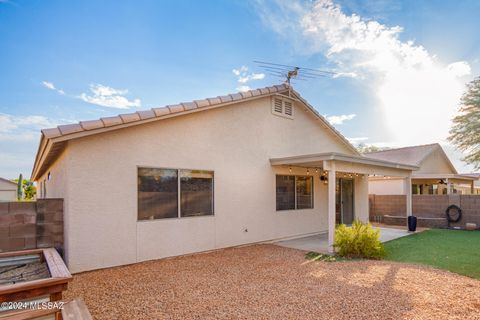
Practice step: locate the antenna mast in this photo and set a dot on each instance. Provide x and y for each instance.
(290, 73)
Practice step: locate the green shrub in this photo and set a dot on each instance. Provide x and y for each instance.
(358, 241)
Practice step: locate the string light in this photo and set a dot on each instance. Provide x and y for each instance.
(290, 169)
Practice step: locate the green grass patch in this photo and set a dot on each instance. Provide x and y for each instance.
(454, 250)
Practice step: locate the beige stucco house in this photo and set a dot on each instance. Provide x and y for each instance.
(243, 168)
(8, 190)
(436, 173)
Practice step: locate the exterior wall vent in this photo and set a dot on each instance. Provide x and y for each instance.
(282, 107)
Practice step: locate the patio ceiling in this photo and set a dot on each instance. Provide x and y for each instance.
(460, 177)
(346, 163)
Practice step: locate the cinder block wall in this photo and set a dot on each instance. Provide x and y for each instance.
(30, 225)
(431, 205)
(380, 205)
(428, 208)
(470, 205)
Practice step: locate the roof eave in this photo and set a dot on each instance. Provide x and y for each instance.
(61, 134)
(340, 157)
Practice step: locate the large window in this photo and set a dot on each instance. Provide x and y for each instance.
(157, 193)
(304, 192)
(196, 193)
(294, 192)
(172, 193)
(285, 192)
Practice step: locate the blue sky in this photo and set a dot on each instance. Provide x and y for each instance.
(401, 67)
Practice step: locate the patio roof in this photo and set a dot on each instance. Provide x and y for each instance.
(317, 160)
(444, 176)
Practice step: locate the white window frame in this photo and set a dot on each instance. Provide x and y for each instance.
(295, 192)
(179, 213)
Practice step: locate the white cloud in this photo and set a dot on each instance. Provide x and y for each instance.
(340, 119)
(345, 75)
(109, 97)
(19, 137)
(240, 70)
(51, 86)
(244, 76)
(243, 88)
(357, 140)
(24, 128)
(416, 93)
(9, 122)
(459, 69)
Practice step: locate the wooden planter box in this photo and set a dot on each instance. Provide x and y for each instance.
(51, 287)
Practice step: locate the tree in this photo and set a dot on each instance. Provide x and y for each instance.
(465, 131)
(26, 190)
(364, 148)
(29, 190)
(20, 188)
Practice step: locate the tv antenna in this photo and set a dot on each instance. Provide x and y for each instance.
(292, 72)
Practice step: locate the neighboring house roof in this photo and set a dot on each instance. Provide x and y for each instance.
(474, 175)
(7, 185)
(9, 181)
(53, 140)
(413, 155)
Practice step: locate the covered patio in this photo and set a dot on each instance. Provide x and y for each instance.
(443, 184)
(319, 242)
(346, 177)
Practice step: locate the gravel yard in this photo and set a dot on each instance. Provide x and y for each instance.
(271, 282)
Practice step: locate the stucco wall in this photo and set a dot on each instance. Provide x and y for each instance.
(361, 198)
(8, 195)
(8, 191)
(235, 142)
(387, 186)
(434, 163)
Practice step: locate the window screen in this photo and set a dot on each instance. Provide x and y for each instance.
(285, 192)
(196, 193)
(304, 192)
(157, 193)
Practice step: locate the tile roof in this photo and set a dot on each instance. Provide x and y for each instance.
(413, 155)
(121, 119)
(8, 181)
(53, 140)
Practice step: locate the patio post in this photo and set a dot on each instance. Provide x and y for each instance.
(331, 206)
(408, 193)
(472, 187)
(449, 186)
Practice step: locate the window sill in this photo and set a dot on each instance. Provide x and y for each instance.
(295, 210)
(176, 218)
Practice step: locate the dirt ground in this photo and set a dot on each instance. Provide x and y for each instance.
(271, 282)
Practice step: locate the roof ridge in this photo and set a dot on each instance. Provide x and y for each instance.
(407, 147)
(158, 112)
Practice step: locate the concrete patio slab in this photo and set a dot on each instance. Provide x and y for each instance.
(319, 242)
